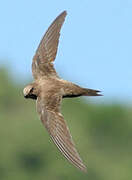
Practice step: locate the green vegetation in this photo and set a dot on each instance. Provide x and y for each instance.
(102, 133)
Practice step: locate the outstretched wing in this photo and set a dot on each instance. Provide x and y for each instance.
(47, 49)
(58, 130)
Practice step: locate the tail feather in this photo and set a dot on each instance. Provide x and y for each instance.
(81, 92)
(91, 92)
(72, 90)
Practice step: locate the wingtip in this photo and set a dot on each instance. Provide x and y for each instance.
(81, 167)
(84, 169)
(64, 12)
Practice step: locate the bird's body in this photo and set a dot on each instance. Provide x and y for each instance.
(48, 89)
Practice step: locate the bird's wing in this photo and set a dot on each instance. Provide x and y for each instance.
(55, 124)
(47, 49)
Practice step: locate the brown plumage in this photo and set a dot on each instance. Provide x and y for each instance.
(48, 90)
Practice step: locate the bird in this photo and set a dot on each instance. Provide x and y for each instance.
(48, 90)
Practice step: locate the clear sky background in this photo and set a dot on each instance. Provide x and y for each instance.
(95, 47)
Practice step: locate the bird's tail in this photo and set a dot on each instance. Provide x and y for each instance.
(72, 90)
(90, 92)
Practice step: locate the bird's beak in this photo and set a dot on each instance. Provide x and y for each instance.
(32, 96)
(26, 97)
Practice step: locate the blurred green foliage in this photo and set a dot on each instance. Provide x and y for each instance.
(102, 134)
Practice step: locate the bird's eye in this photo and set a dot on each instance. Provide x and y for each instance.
(31, 90)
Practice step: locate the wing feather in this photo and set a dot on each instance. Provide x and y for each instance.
(59, 132)
(47, 49)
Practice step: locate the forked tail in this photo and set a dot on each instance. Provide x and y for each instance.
(76, 91)
(91, 92)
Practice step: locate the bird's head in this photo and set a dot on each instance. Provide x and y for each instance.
(30, 92)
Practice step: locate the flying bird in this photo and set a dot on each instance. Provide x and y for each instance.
(48, 89)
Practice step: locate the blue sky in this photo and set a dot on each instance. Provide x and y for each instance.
(95, 47)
